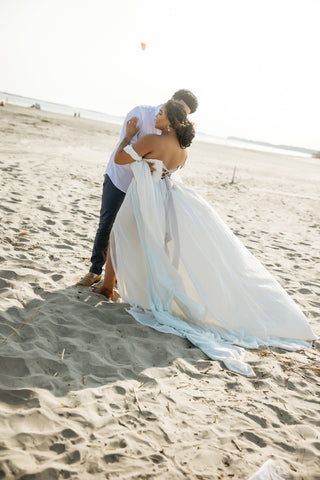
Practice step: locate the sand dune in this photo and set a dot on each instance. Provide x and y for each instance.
(87, 392)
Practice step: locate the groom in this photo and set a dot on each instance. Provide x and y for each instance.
(117, 180)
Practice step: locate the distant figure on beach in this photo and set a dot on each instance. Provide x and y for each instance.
(178, 264)
(117, 180)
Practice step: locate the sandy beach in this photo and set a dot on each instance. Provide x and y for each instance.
(88, 393)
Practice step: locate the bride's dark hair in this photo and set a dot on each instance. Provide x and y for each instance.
(177, 117)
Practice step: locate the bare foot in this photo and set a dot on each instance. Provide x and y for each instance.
(114, 295)
(104, 291)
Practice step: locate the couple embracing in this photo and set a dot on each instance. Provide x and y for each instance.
(177, 264)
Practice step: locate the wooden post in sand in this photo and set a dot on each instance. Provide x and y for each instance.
(234, 175)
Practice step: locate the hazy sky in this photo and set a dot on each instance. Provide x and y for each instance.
(254, 64)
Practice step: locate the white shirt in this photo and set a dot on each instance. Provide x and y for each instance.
(121, 175)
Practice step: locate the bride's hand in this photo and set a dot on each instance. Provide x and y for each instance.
(132, 127)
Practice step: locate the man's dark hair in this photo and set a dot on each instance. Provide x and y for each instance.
(188, 97)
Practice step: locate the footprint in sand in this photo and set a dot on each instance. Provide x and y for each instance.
(304, 291)
(58, 448)
(7, 210)
(47, 209)
(254, 439)
(285, 446)
(69, 433)
(56, 277)
(283, 415)
(259, 420)
(63, 246)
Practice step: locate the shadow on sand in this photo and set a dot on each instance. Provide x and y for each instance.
(75, 339)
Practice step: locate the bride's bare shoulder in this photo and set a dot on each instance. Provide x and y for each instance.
(147, 145)
(149, 138)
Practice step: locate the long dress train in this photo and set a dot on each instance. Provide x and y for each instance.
(183, 271)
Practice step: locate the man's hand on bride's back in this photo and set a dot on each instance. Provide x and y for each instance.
(151, 166)
(132, 127)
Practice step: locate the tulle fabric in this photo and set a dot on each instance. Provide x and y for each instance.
(183, 271)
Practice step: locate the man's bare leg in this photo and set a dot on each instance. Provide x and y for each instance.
(109, 278)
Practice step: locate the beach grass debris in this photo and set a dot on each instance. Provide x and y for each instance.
(124, 424)
(238, 446)
(184, 385)
(137, 401)
(21, 234)
(21, 326)
(294, 365)
(204, 372)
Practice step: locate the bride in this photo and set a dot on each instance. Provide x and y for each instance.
(181, 268)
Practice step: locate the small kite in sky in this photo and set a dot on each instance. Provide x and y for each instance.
(143, 45)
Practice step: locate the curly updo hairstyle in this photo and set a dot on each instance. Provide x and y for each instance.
(177, 117)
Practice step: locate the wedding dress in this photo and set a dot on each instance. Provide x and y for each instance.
(183, 271)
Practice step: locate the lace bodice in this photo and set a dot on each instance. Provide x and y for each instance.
(166, 172)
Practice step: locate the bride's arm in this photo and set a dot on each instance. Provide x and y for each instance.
(142, 147)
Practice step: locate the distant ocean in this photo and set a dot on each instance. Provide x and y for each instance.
(59, 108)
(118, 120)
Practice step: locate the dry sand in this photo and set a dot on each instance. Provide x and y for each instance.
(88, 393)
